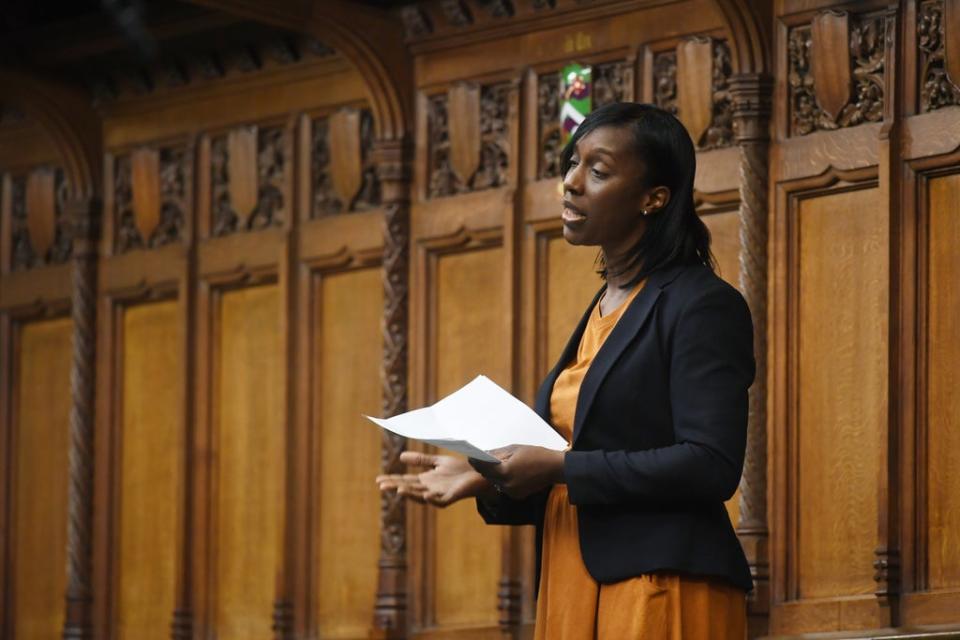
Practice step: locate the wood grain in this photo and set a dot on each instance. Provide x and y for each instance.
(725, 243)
(571, 281)
(151, 442)
(40, 461)
(344, 140)
(943, 380)
(841, 389)
(242, 167)
(250, 454)
(145, 172)
(41, 215)
(469, 342)
(347, 353)
(695, 85)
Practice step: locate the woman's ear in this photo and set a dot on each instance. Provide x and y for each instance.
(655, 199)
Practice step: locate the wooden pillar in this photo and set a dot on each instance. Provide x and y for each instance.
(85, 218)
(390, 609)
(752, 94)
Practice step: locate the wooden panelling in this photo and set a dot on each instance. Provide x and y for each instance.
(841, 390)
(249, 461)
(347, 355)
(149, 488)
(943, 380)
(571, 281)
(470, 340)
(42, 435)
(725, 243)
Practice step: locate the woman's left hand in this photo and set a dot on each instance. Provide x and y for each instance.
(523, 469)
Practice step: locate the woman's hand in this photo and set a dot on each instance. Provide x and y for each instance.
(447, 480)
(524, 470)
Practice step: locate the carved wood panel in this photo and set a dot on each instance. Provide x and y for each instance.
(937, 89)
(324, 200)
(45, 189)
(165, 201)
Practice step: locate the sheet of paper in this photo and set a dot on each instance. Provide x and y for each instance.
(478, 417)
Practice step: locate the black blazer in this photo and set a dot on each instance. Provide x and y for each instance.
(659, 434)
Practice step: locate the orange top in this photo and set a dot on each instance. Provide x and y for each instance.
(571, 605)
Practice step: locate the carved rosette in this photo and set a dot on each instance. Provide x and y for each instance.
(494, 157)
(85, 222)
(390, 610)
(325, 200)
(936, 89)
(665, 80)
(867, 40)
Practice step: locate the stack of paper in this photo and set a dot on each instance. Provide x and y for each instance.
(475, 419)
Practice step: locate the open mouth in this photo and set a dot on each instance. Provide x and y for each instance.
(572, 215)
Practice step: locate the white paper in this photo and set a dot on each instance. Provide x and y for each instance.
(478, 417)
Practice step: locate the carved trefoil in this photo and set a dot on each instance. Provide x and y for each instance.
(150, 197)
(325, 198)
(248, 171)
(822, 94)
(491, 171)
(939, 75)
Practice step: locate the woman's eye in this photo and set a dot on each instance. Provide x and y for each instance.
(597, 173)
(574, 162)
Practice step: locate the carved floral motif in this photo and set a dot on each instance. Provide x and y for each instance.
(225, 219)
(936, 89)
(271, 165)
(609, 80)
(127, 235)
(494, 159)
(173, 202)
(867, 45)
(548, 120)
(24, 256)
(62, 248)
(665, 80)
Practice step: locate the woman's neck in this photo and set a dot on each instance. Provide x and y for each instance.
(620, 273)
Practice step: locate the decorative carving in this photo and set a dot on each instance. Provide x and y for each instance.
(174, 174)
(391, 600)
(548, 123)
(539, 5)
(867, 45)
(62, 248)
(609, 82)
(665, 80)
(497, 8)
(510, 603)
(325, 199)
(127, 236)
(751, 97)
(24, 257)
(416, 23)
(456, 13)
(225, 219)
(182, 626)
(282, 619)
(85, 219)
(720, 132)
(494, 110)
(936, 89)
(271, 164)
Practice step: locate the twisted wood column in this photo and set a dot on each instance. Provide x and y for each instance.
(390, 609)
(751, 112)
(85, 217)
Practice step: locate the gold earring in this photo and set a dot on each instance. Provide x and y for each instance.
(644, 212)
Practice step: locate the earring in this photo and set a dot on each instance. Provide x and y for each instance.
(644, 212)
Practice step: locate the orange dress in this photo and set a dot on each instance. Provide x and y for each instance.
(572, 605)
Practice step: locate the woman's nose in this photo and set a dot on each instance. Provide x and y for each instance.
(571, 181)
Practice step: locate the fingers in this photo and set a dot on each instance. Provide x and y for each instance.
(418, 459)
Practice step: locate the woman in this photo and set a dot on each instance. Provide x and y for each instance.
(651, 394)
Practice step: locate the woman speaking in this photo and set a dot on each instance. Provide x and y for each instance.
(651, 395)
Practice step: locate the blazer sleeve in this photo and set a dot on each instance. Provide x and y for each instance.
(711, 369)
(505, 510)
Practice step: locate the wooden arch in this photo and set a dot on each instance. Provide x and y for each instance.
(746, 21)
(66, 115)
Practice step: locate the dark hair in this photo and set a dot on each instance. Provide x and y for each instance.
(675, 234)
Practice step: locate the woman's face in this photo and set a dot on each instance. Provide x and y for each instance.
(603, 192)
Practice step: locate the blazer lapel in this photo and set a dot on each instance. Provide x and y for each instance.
(542, 402)
(627, 327)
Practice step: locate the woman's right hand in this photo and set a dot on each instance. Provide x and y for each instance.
(446, 480)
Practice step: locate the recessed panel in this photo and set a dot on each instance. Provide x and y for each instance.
(471, 339)
(348, 353)
(572, 281)
(943, 383)
(841, 376)
(151, 448)
(40, 459)
(250, 457)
